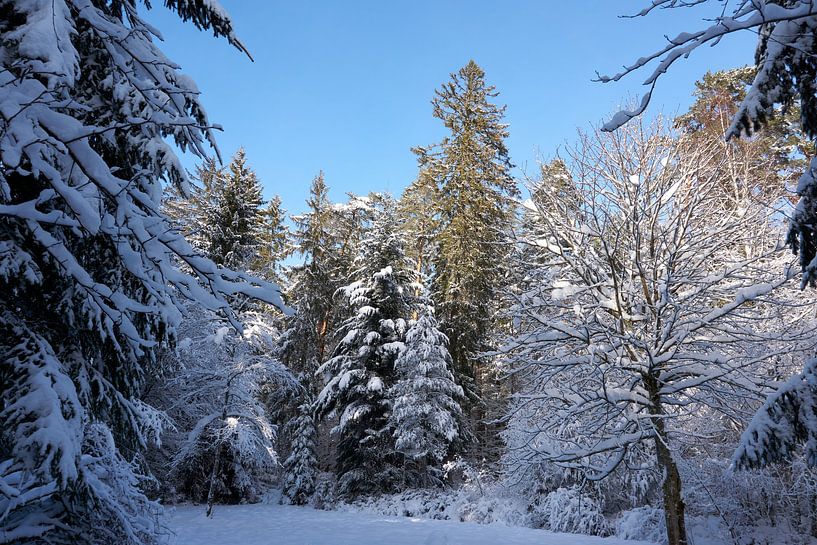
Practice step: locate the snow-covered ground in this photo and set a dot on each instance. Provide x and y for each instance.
(269, 524)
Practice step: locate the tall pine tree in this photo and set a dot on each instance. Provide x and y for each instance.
(469, 176)
(312, 285)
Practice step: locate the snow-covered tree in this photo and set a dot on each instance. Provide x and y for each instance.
(358, 375)
(274, 244)
(312, 285)
(653, 303)
(232, 224)
(90, 274)
(786, 422)
(764, 167)
(426, 413)
(470, 210)
(785, 74)
(301, 466)
(229, 449)
(419, 220)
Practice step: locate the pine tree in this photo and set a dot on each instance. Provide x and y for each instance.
(89, 269)
(274, 243)
(420, 223)
(426, 414)
(300, 466)
(232, 219)
(471, 170)
(468, 174)
(312, 285)
(764, 167)
(361, 370)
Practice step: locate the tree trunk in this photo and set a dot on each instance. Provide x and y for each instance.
(673, 500)
(211, 493)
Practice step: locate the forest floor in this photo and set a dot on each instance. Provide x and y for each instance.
(270, 524)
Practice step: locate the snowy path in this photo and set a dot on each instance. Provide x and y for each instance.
(285, 525)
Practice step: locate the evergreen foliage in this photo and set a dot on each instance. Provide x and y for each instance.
(90, 274)
(472, 207)
(764, 167)
(312, 285)
(274, 241)
(426, 415)
(785, 422)
(361, 370)
(301, 466)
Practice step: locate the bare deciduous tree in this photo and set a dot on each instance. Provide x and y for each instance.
(651, 301)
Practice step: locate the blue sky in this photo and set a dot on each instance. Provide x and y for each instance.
(345, 86)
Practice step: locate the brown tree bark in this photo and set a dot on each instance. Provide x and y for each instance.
(673, 500)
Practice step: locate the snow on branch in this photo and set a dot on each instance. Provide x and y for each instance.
(784, 24)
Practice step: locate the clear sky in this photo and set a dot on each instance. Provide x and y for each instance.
(345, 85)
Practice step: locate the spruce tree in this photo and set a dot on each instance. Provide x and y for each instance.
(468, 175)
(426, 414)
(361, 370)
(232, 218)
(420, 223)
(274, 244)
(471, 170)
(300, 466)
(90, 275)
(312, 285)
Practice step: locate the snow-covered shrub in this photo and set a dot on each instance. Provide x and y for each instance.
(325, 496)
(573, 511)
(477, 500)
(642, 523)
(745, 502)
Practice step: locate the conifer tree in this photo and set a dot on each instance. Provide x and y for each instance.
(187, 208)
(312, 286)
(764, 167)
(274, 243)
(471, 171)
(300, 466)
(232, 218)
(89, 268)
(420, 223)
(426, 414)
(361, 370)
